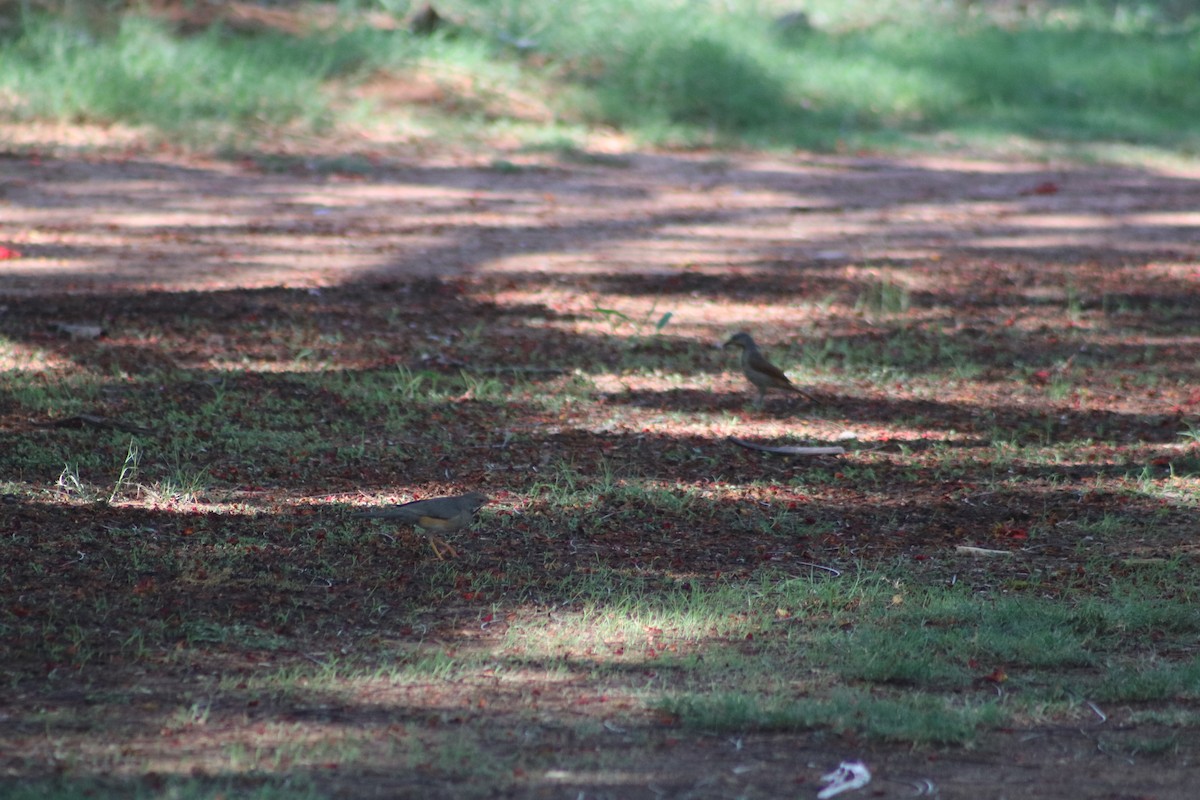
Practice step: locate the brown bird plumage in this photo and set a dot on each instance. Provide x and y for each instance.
(759, 371)
(440, 514)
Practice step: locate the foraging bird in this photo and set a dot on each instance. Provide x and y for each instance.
(762, 373)
(440, 514)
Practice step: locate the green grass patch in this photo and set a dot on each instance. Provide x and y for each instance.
(913, 719)
(1085, 78)
(144, 75)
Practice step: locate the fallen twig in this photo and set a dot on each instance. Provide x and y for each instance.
(969, 550)
(836, 572)
(789, 450)
(523, 370)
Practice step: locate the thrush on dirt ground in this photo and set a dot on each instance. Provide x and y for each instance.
(435, 515)
(761, 372)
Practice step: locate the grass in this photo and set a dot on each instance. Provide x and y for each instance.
(143, 76)
(915, 719)
(1079, 78)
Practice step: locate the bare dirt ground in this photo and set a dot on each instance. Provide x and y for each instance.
(524, 253)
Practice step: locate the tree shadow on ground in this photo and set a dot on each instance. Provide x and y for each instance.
(190, 226)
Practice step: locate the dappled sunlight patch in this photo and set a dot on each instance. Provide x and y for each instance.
(27, 358)
(228, 744)
(67, 136)
(602, 637)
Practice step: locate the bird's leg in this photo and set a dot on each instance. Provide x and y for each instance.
(440, 545)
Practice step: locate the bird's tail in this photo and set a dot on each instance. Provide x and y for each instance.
(791, 387)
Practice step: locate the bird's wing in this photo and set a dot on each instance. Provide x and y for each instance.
(437, 508)
(399, 513)
(760, 364)
(442, 507)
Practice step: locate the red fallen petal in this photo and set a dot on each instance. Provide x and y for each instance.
(998, 675)
(7, 253)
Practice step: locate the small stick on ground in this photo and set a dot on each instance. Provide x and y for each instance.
(789, 450)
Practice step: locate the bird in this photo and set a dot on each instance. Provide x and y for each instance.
(435, 515)
(761, 372)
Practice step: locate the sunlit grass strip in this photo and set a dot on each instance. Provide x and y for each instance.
(913, 718)
(667, 72)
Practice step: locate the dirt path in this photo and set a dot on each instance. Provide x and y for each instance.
(95, 225)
